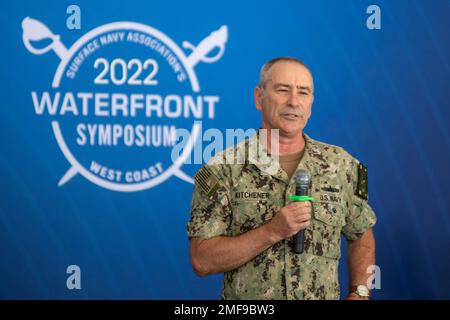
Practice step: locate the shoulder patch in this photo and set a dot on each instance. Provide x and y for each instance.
(207, 181)
(361, 187)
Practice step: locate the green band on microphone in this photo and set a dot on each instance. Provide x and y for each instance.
(301, 198)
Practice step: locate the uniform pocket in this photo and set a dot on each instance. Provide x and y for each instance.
(323, 236)
(329, 213)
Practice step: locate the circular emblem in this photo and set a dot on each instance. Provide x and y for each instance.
(120, 96)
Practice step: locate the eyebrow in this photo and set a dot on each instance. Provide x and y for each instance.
(284, 85)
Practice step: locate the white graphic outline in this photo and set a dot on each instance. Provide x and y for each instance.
(36, 30)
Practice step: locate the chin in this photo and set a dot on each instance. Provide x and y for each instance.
(291, 130)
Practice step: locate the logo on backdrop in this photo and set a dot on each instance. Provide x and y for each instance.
(118, 96)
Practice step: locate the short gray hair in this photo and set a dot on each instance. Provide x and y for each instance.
(266, 67)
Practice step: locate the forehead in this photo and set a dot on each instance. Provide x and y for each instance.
(291, 73)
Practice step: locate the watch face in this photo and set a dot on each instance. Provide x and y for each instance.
(362, 291)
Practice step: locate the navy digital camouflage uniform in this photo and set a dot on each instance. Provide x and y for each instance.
(230, 199)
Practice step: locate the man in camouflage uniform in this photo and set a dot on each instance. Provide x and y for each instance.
(242, 220)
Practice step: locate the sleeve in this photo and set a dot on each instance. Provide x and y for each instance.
(360, 216)
(211, 211)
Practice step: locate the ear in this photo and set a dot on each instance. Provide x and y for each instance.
(257, 95)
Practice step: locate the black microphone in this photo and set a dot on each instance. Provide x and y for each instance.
(302, 181)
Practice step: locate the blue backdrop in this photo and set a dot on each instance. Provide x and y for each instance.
(383, 95)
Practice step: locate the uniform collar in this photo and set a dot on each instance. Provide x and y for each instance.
(269, 165)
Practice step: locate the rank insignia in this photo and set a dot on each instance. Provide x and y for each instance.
(361, 187)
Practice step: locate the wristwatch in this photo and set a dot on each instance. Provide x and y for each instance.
(361, 290)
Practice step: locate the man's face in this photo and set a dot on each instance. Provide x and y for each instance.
(286, 97)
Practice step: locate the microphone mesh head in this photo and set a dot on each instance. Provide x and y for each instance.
(302, 177)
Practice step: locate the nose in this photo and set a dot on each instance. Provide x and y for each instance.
(293, 100)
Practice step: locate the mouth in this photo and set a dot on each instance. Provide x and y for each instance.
(290, 116)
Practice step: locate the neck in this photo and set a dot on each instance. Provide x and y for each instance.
(279, 144)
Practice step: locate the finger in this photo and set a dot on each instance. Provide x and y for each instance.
(304, 225)
(295, 206)
(303, 204)
(303, 217)
(304, 210)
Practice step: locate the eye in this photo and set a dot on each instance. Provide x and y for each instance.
(282, 90)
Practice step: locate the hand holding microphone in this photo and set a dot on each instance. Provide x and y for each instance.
(290, 219)
(293, 219)
(303, 182)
